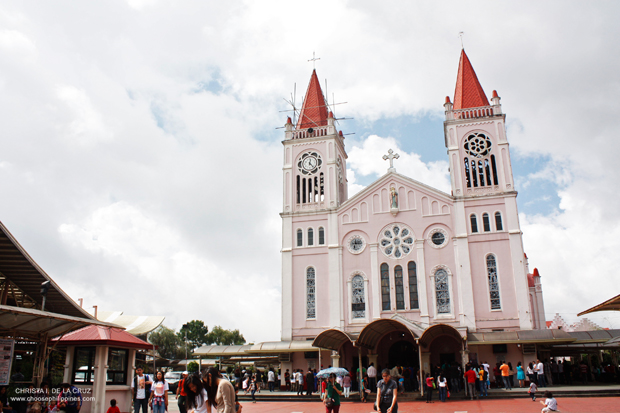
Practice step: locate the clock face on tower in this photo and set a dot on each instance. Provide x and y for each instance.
(356, 244)
(309, 163)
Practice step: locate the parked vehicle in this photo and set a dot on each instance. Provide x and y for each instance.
(173, 377)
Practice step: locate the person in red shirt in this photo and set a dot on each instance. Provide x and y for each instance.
(470, 375)
(113, 407)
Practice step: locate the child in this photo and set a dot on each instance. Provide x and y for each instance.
(551, 405)
(113, 407)
(532, 390)
(253, 388)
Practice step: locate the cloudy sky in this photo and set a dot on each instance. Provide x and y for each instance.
(140, 164)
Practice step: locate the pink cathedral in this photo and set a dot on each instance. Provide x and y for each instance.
(402, 273)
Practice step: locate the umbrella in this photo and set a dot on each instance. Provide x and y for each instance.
(338, 371)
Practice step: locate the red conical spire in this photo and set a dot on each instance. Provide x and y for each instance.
(468, 92)
(314, 110)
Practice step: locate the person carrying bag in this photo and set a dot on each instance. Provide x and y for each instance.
(387, 390)
(332, 395)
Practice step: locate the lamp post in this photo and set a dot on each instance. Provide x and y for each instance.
(45, 286)
(185, 327)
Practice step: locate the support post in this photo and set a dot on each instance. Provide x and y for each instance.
(421, 382)
(359, 356)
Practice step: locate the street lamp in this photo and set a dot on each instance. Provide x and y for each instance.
(45, 286)
(185, 327)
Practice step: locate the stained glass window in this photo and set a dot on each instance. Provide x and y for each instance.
(310, 293)
(300, 238)
(493, 282)
(321, 236)
(385, 287)
(396, 241)
(400, 287)
(413, 286)
(442, 292)
(358, 299)
(486, 223)
(498, 221)
(474, 223)
(310, 236)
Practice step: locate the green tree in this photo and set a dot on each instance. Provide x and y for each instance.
(223, 337)
(197, 333)
(192, 367)
(168, 343)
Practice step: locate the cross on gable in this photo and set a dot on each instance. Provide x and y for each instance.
(313, 60)
(391, 156)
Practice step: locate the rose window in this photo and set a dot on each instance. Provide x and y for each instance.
(396, 241)
(478, 145)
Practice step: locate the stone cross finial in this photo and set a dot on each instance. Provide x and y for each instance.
(313, 60)
(391, 156)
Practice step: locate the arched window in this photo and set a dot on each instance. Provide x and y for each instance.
(493, 282)
(400, 287)
(385, 287)
(321, 236)
(474, 223)
(310, 237)
(467, 176)
(413, 286)
(442, 292)
(358, 297)
(300, 238)
(498, 221)
(486, 223)
(310, 293)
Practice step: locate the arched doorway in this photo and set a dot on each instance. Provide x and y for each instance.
(403, 353)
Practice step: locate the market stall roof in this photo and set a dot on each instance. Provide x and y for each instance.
(333, 339)
(282, 347)
(525, 336)
(102, 335)
(31, 323)
(222, 350)
(613, 304)
(25, 277)
(134, 324)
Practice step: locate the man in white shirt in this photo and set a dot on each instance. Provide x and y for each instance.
(540, 369)
(141, 390)
(271, 379)
(300, 382)
(372, 377)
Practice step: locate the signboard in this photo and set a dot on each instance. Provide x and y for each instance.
(6, 358)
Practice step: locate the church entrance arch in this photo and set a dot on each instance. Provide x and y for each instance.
(441, 345)
(403, 353)
(392, 343)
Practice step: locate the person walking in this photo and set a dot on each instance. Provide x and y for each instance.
(364, 390)
(482, 378)
(372, 377)
(181, 395)
(520, 374)
(530, 373)
(387, 392)
(159, 396)
(253, 388)
(141, 389)
(196, 398)
(271, 379)
(332, 395)
(429, 382)
(221, 394)
(309, 382)
(442, 383)
(540, 371)
(532, 390)
(470, 376)
(346, 385)
(506, 375)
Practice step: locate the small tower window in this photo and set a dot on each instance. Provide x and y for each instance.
(300, 238)
(413, 286)
(467, 175)
(310, 237)
(486, 223)
(474, 223)
(498, 221)
(385, 287)
(400, 287)
(321, 236)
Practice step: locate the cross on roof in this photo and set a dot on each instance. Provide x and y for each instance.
(391, 156)
(313, 60)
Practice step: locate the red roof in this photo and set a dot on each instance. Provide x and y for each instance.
(314, 110)
(468, 92)
(98, 335)
(549, 323)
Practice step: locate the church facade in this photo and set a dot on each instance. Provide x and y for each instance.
(402, 273)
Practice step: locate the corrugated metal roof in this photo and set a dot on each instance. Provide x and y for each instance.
(599, 336)
(613, 304)
(521, 336)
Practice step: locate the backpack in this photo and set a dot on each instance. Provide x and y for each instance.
(147, 387)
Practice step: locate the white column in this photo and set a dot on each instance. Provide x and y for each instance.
(68, 364)
(99, 385)
(422, 290)
(335, 304)
(287, 278)
(374, 279)
(467, 313)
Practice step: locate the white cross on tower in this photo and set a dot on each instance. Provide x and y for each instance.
(391, 156)
(313, 60)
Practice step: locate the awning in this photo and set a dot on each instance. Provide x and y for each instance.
(276, 347)
(594, 336)
(333, 339)
(30, 323)
(25, 277)
(437, 330)
(134, 324)
(525, 336)
(613, 304)
(213, 351)
(371, 334)
(102, 335)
